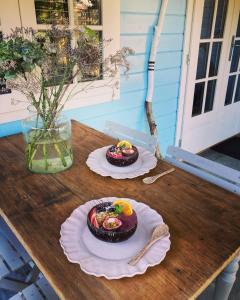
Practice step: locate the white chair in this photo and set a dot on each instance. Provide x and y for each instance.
(211, 171)
(40, 290)
(137, 138)
(13, 257)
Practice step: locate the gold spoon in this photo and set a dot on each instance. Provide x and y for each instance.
(152, 179)
(158, 233)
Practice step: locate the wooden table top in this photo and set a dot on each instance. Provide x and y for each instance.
(204, 222)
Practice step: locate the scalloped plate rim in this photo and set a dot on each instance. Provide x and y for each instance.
(120, 276)
(100, 274)
(105, 173)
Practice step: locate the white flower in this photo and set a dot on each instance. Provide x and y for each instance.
(83, 4)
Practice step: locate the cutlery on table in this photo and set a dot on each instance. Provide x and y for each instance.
(152, 179)
(158, 233)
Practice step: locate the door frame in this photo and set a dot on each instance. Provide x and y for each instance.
(186, 69)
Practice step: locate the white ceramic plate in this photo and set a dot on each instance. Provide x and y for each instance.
(110, 260)
(98, 163)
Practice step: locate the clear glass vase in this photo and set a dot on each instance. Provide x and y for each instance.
(48, 146)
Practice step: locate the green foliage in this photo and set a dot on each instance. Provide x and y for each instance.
(19, 56)
(88, 32)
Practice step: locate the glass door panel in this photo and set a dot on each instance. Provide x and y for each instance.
(202, 60)
(210, 95)
(215, 57)
(230, 89)
(198, 99)
(233, 88)
(237, 94)
(220, 18)
(209, 54)
(207, 19)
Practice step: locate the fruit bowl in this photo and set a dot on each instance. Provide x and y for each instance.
(122, 155)
(112, 221)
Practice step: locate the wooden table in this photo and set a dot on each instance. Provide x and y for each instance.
(204, 222)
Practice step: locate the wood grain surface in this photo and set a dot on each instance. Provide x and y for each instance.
(204, 222)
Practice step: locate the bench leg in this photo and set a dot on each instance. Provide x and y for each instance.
(225, 280)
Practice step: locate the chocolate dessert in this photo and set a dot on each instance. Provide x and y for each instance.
(123, 154)
(112, 221)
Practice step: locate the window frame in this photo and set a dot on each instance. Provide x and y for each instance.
(25, 16)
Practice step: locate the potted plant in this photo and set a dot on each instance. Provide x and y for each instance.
(42, 66)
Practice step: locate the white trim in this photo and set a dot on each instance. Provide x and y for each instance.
(184, 72)
(155, 42)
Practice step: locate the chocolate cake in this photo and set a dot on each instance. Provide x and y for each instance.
(123, 154)
(112, 221)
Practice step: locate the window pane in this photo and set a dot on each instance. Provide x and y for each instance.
(237, 95)
(51, 11)
(235, 57)
(215, 56)
(230, 89)
(238, 28)
(220, 18)
(88, 16)
(202, 60)
(210, 95)
(207, 19)
(198, 99)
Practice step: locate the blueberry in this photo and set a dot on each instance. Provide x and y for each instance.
(111, 209)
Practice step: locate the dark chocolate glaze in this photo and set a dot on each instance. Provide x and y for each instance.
(124, 232)
(125, 161)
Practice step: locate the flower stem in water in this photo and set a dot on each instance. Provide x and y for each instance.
(60, 155)
(45, 156)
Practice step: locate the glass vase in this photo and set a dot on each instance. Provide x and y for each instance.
(48, 146)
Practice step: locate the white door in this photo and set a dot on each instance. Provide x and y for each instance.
(212, 106)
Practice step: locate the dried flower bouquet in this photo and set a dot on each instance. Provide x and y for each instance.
(42, 66)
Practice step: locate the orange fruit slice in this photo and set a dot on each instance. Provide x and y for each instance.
(126, 206)
(124, 144)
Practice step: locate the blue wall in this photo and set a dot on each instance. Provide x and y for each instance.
(138, 18)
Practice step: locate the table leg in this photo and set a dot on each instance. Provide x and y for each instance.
(225, 280)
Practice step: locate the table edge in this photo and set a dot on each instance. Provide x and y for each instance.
(215, 274)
